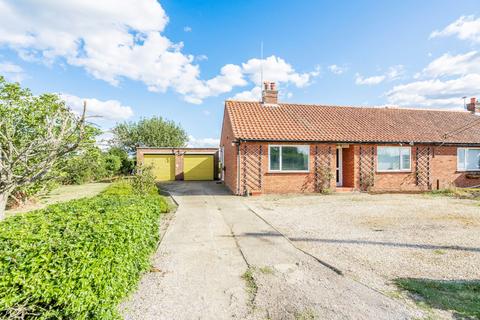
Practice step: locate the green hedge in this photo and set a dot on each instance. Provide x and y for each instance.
(77, 260)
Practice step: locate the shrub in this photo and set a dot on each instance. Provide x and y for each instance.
(86, 166)
(113, 164)
(128, 165)
(78, 259)
(119, 188)
(144, 181)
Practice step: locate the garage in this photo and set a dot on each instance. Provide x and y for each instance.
(192, 164)
(163, 166)
(198, 167)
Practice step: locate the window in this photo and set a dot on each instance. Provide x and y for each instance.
(468, 159)
(288, 158)
(393, 158)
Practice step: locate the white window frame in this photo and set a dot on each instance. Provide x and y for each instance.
(464, 169)
(401, 160)
(280, 158)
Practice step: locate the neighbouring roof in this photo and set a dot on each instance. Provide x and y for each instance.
(299, 122)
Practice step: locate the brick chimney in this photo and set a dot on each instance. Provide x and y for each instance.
(269, 93)
(473, 105)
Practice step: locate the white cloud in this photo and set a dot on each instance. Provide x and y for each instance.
(369, 80)
(255, 94)
(11, 71)
(436, 93)
(107, 109)
(335, 69)
(277, 70)
(201, 57)
(442, 83)
(465, 28)
(447, 65)
(203, 142)
(393, 73)
(187, 29)
(206, 112)
(117, 40)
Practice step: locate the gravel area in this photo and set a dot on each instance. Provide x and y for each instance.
(219, 260)
(377, 238)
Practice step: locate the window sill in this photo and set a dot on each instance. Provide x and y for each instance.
(394, 171)
(289, 171)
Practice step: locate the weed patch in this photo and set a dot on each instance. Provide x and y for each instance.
(252, 287)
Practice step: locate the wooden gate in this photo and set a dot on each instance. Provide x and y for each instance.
(423, 167)
(366, 167)
(250, 169)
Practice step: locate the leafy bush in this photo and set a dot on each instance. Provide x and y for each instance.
(113, 164)
(144, 181)
(86, 166)
(119, 188)
(128, 165)
(78, 259)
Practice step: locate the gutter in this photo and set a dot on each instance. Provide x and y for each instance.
(362, 142)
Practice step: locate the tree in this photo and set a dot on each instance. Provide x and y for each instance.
(35, 132)
(153, 132)
(86, 165)
(128, 164)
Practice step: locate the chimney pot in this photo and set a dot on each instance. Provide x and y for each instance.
(270, 93)
(472, 106)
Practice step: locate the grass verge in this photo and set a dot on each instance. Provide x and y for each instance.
(78, 259)
(462, 297)
(460, 193)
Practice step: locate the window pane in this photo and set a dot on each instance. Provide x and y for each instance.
(405, 153)
(461, 159)
(294, 158)
(388, 158)
(473, 159)
(274, 158)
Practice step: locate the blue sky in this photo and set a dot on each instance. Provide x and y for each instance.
(182, 59)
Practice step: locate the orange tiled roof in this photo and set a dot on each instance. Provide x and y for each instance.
(298, 122)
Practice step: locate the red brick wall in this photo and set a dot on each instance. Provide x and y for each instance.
(288, 182)
(444, 168)
(230, 155)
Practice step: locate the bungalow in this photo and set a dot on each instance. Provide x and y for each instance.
(271, 147)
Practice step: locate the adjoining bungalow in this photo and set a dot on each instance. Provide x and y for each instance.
(271, 147)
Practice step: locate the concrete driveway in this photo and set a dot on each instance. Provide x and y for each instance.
(220, 260)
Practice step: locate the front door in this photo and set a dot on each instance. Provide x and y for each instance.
(339, 168)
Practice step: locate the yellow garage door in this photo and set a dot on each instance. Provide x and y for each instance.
(197, 167)
(163, 166)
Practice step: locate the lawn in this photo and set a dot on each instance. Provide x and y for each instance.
(78, 259)
(62, 194)
(462, 297)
